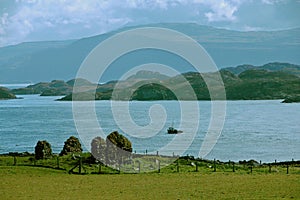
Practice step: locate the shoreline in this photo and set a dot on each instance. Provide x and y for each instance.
(247, 162)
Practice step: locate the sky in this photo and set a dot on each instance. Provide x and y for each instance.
(40, 20)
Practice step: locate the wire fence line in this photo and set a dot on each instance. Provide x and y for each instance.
(141, 163)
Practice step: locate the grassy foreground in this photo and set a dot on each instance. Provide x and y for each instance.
(27, 182)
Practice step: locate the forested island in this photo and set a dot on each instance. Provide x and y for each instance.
(245, 82)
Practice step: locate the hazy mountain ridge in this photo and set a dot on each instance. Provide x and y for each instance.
(276, 66)
(54, 88)
(45, 61)
(144, 74)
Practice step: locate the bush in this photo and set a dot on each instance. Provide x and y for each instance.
(43, 150)
(72, 145)
(118, 148)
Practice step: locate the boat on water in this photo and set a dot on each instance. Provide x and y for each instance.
(172, 130)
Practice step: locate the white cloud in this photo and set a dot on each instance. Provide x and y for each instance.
(63, 19)
(35, 16)
(222, 10)
(271, 2)
(144, 4)
(219, 10)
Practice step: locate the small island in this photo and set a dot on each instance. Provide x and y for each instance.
(5, 94)
(172, 130)
(292, 99)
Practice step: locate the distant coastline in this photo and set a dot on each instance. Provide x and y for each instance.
(268, 82)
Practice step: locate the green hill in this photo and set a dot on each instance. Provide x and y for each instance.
(275, 66)
(44, 61)
(270, 81)
(54, 88)
(254, 84)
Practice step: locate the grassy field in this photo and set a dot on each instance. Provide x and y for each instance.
(27, 182)
(46, 179)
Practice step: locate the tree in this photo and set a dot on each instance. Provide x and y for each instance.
(43, 150)
(72, 145)
(118, 148)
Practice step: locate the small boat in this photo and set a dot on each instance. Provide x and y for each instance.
(172, 130)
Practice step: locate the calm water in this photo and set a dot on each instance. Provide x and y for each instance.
(260, 130)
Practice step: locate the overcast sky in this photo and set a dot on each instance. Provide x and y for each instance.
(35, 20)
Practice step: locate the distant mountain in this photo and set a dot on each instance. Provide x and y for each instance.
(143, 74)
(45, 61)
(276, 66)
(54, 88)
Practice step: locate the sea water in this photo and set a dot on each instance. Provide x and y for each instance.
(262, 129)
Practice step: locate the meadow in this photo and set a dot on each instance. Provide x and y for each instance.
(40, 180)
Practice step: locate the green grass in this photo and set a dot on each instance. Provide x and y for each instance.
(149, 164)
(43, 180)
(26, 182)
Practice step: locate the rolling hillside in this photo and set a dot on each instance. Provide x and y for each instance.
(46, 61)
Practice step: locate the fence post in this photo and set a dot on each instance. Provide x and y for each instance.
(215, 168)
(80, 164)
(15, 160)
(251, 169)
(158, 166)
(156, 153)
(233, 170)
(196, 166)
(99, 171)
(270, 168)
(57, 162)
(139, 166)
(287, 169)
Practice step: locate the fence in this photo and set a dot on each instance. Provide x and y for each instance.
(85, 164)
